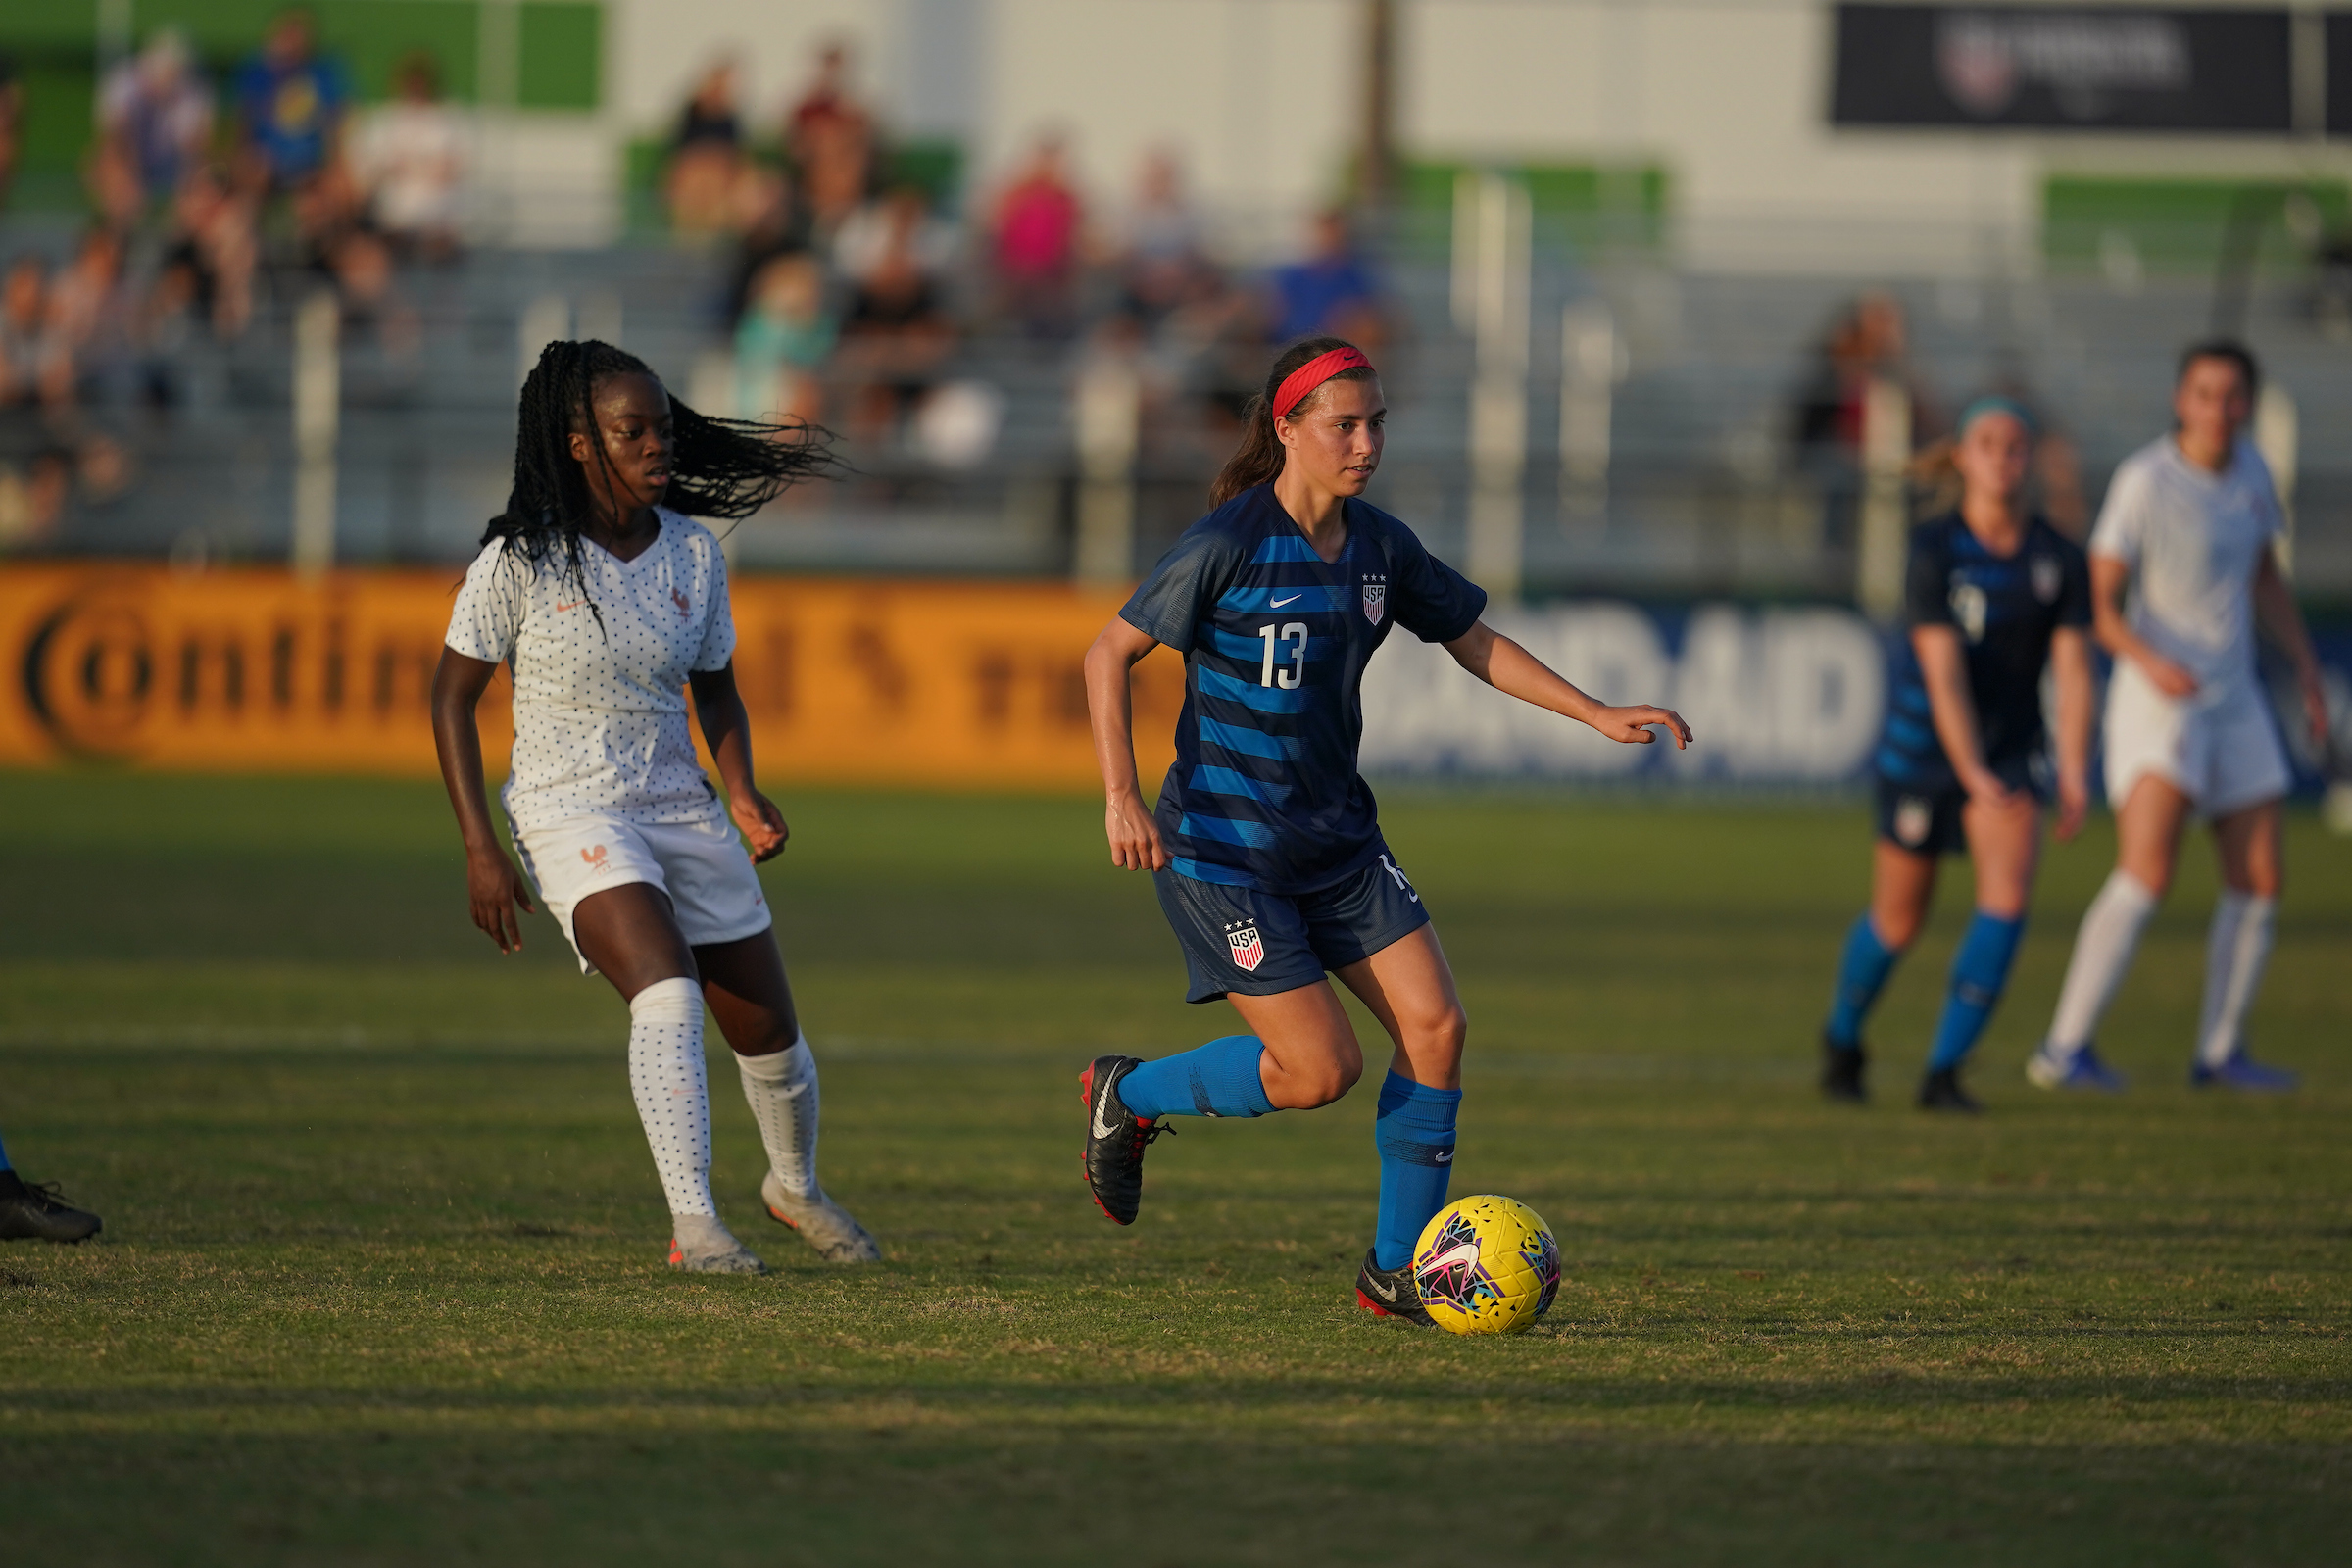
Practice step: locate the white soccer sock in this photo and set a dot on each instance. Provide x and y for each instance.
(674, 1098)
(2235, 952)
(782, 1089)
(2103, 950)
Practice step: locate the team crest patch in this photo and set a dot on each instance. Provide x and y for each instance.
(1913, 817)
(2048, 578)
(1376, 599)
(1249, 947)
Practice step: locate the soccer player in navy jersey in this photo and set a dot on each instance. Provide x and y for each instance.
(1995, 594)
(1266, 849)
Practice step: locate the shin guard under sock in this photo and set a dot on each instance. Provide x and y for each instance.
(1414, 1129)
(1218, 1079)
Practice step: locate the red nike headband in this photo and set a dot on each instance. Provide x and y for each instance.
(1312, 375)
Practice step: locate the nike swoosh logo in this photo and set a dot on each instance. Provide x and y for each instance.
(1279, 603)
(1445, 1159)
(1387, 1293)
(575, 604)
(1101, 1101)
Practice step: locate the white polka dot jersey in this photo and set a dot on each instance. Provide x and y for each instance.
(600, 674)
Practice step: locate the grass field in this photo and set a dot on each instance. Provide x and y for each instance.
(382, 1274)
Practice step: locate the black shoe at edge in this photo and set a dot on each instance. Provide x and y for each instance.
(1941, 1091)
(1390, 1293)
(1115, 1139)
(29, 1213)
(1841, 1070)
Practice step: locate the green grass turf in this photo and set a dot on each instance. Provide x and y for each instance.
(380, 1280)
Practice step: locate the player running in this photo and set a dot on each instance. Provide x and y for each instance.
(1994, 595)
(1266, 850)
(2190, 526)
(29, 1213)
(607, 600)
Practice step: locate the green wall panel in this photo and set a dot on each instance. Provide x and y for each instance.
(563, 55)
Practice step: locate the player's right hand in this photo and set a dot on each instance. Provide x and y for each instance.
(496, 890)
(1134, 837)
(1984, 788)
(2169, 678)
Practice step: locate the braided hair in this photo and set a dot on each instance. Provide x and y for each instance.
(718, 467)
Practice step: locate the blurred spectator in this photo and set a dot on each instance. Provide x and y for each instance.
(1035, 234)
(209, 259)
(82, 319)
(783, 341)
(778, 227)
(411, 157)
(290, 105)
(23, 330)
(898, 332)
(1161, 264)
(1332, 291)
(831, 139)
(1866, 343)
(705, 157)
(12, 119)
(155, 122)
(341, 242)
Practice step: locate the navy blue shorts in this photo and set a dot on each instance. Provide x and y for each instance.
(1927, 820)
(1260, 944)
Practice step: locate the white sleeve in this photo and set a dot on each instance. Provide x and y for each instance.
(2124, 518)
(719, 636)
(488, 615)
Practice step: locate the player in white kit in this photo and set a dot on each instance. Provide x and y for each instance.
(2190, 528)
(608, 605)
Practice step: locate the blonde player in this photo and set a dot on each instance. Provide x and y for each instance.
(2189, 529)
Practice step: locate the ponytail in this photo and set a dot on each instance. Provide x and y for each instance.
(1258, 459)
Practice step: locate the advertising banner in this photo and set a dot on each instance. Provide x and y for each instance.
(2102, 68)
(851, 683)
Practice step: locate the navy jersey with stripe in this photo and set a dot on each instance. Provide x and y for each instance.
(2005, 609)
(1264, 793)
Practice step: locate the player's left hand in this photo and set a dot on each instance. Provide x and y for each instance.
(1630, 725)
(763, 825)
(2074, 808)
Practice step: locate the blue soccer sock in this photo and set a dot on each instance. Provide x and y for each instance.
(3, 1157)
(1861, 975)
(1414, 1128)
(1980, 970)
(1218, 1079)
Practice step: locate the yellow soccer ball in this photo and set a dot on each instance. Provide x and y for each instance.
(1487, 1265)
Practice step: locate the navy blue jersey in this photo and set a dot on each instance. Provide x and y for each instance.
(2005, 609)
(1264, 793)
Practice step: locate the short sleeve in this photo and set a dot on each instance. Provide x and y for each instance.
(718, 637)
(1429, 598)
(1168, 607)
(1927, 579)
(2074, 593)
(2124, 517)
(488, 616)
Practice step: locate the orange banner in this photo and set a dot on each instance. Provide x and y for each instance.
(870, 682)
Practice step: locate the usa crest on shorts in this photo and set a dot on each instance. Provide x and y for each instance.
(1376, 599)
(1249, 947)
(1913, 818)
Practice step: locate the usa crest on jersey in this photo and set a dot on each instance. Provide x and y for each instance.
(1249, 948)
(2048, 578)
(1376, 599)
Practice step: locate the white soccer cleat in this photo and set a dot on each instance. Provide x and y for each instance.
(821, 1222)
(702, 1246)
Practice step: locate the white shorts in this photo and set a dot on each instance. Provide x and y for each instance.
(703, 867)
(2223, 753)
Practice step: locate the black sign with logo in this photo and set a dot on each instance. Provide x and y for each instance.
(2034, 68)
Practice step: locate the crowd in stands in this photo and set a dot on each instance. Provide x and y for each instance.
(857, 290)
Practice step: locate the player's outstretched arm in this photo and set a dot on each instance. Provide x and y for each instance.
(1511, 669)
(1135, 843)
(727, 731)
(2276, 613)
(493, 887)
(2070, 662)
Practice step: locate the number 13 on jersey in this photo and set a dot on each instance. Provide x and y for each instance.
(1287, 679)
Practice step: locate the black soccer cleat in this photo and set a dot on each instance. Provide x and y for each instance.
(1115, 1139)
(1841, 1070)
(1941, 1091)
(1390, 1293)
(30, 1214)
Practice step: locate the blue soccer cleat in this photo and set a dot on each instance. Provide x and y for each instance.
(2243, 1073)
(2083, 1071)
